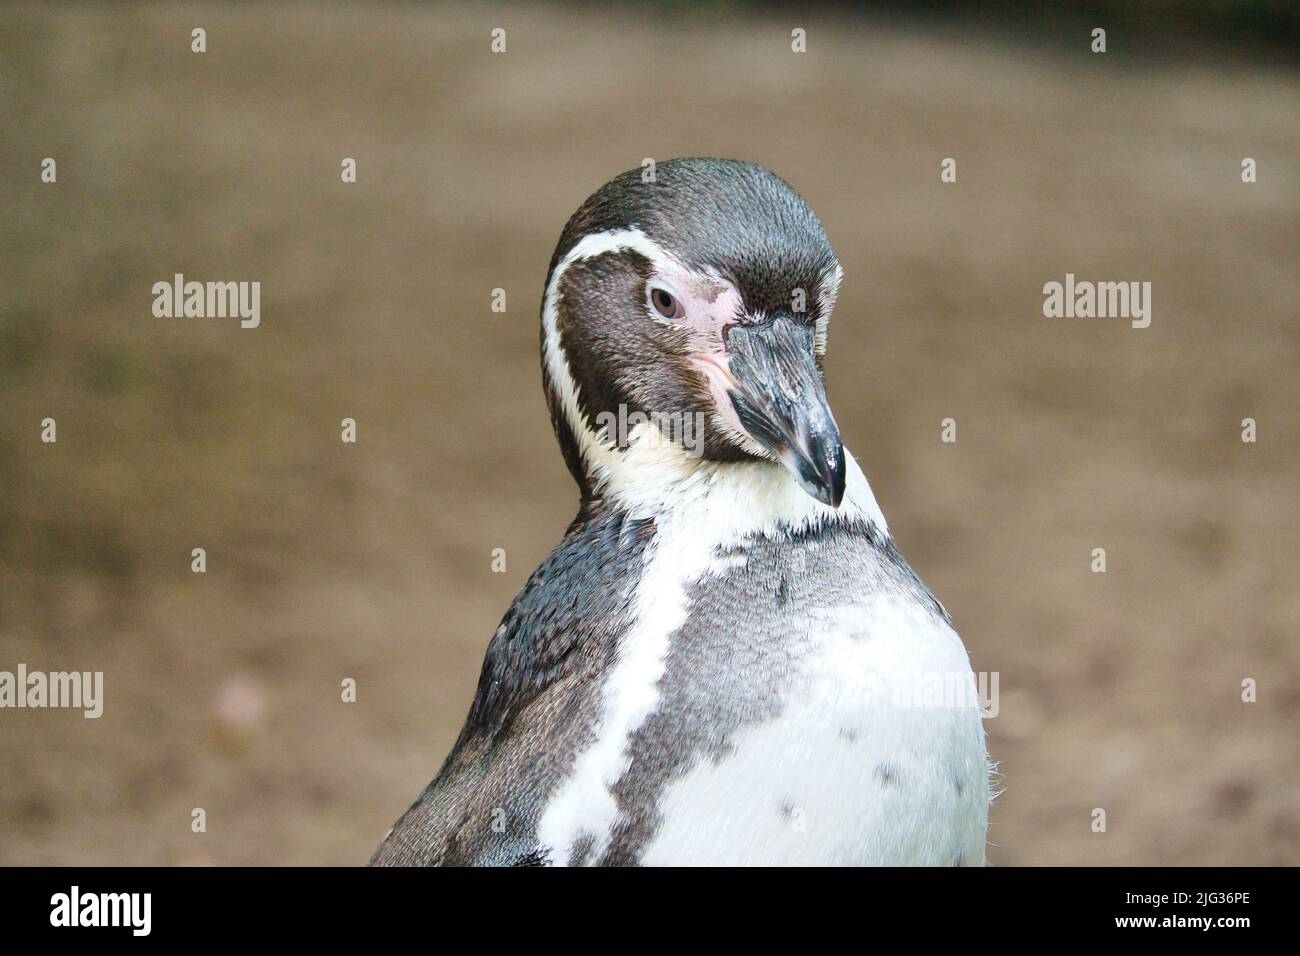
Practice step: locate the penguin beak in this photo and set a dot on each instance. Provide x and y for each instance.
(780, 398)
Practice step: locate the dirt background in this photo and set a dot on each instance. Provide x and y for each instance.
(326, 561)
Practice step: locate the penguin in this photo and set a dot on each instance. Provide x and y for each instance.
(726, 661)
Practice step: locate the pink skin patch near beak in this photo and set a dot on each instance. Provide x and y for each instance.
(713, 366)
(710, 304)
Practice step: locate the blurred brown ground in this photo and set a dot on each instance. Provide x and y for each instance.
(371, 561)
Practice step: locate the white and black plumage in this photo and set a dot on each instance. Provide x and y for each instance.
(713, 666)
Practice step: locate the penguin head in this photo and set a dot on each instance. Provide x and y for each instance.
(685, 320)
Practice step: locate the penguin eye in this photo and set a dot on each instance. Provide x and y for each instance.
(665, 304)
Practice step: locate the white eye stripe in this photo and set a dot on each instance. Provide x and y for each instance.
(597, 458)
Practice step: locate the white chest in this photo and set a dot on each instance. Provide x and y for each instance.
(876, 758)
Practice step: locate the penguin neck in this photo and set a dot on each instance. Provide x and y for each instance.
(658, 479)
